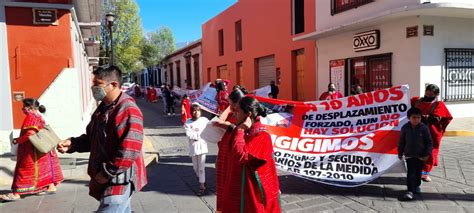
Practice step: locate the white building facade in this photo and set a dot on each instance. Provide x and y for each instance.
(380, 43)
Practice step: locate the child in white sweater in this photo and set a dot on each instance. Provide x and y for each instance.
(197, 146)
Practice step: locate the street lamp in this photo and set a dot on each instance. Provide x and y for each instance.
(109, 18)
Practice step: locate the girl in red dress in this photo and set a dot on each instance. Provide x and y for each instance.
(34, 172)
(185, 109)
(222, 96)
(437, 117)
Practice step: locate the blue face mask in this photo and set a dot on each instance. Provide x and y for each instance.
(99, 92)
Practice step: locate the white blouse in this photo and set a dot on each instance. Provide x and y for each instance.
(197, 146)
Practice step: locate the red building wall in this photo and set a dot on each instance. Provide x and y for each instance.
(266, 30)
(36, 53)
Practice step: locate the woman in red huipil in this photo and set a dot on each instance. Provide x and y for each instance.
(185, 109)
(331, 93)
(151, 94)
(251, 183)
(437, 117)
(222, 96)
(227, 121)
(34, 172)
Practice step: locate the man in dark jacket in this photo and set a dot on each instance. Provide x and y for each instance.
(415, 145)
(114, 138)
(274, 90)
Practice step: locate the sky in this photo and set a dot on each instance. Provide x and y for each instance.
(184, 17)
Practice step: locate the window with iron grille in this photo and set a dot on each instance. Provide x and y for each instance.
(458, 84)
(338, 6)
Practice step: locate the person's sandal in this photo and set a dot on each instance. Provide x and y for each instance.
(47, 192)
(9, 197)
(201, 192)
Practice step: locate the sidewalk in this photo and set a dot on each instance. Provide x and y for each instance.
(460, 127)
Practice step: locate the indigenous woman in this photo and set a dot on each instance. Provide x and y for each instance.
(34, 172)
(437, 117)
(251, 183)
(227, 121)
(221, 96)
(185, 109)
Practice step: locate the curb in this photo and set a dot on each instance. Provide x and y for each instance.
(458, 133)
(150, 152)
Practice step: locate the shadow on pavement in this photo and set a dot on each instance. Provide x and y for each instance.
(294, 185)
(168, 135)
(175, 175)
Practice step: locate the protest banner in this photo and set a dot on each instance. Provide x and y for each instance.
(344, 142)
(263, 91)
(206, 98)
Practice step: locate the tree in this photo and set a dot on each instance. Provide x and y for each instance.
(157, 45)
(127, 34)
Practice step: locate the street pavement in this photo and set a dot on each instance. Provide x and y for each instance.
(173, 185)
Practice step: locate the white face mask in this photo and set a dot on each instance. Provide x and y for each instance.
(99, 92)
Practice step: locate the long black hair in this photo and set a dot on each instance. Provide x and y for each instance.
(220, 86)
(250, 104)
(33, 104)
(433, 88)
(236, 95)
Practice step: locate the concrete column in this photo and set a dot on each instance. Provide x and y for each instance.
(6, 116)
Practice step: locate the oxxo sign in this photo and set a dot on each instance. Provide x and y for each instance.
(366, 40)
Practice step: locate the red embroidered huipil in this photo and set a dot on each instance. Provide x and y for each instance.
(437, 129)
(34, 171)
(329, 96)
(221, 163)
(251, 181)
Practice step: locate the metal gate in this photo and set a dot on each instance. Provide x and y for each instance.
(266, 70)
(458, 81)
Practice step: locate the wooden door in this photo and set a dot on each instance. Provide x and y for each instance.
(188, 74)
(197, 83)
(222, 72)
(240, 73)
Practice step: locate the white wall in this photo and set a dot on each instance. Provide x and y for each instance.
(6, 116)
(63, 111)
(405, 58)
(448, 33)
(323, 12)
(68, 98)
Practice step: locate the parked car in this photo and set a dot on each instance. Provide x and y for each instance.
(125, 86)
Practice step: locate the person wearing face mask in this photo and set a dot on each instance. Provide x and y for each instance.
(331, 93)
(251, 181)
(114, 138)
(437, 117)
(35, 173)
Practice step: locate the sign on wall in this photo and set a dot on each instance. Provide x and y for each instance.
(369, 40)
(336, 68)
(18, 95)
(45, 16)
